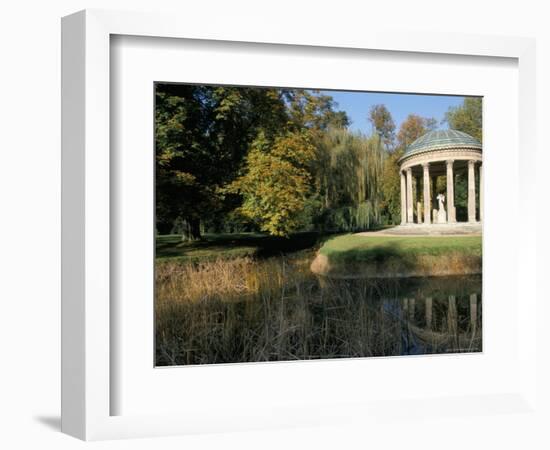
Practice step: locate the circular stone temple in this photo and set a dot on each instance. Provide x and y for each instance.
(435, 154)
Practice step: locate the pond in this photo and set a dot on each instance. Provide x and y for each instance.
(277, 310)
(438, 315)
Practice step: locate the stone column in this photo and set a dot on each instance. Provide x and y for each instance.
(451, 211)
(416, 185)
(411, 309)
(452, 318)
(419, 212)
(403, 199)
(429, 312)
(471, 192)
(410, 218)
(481, 192)
(434, 196)
(427, 199)
(473, 312)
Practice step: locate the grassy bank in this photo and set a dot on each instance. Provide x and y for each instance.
(355, 255)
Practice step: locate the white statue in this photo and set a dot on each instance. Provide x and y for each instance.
(441, 213)
(441, 200)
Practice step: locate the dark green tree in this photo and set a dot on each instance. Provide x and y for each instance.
(202, 134)
(467, 117)
(313, 110)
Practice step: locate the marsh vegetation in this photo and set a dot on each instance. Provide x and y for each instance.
(276, 309)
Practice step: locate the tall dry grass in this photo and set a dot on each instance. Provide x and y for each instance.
(276, 309)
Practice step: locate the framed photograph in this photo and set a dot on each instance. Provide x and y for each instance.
(299, 224)
(266, 230)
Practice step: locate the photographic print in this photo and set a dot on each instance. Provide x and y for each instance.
(302, 224)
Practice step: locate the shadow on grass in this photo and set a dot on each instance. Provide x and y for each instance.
(383, 256)
(214, 246)
(376, 254)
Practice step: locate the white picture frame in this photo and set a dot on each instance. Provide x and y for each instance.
(87, 384)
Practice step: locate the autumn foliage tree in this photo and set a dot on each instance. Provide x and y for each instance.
(276, 182)
(383, 125)
(412, 128)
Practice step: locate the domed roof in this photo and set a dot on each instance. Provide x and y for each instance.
(441, 140)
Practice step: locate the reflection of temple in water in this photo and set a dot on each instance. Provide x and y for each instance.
(431, 325)
(437, 315)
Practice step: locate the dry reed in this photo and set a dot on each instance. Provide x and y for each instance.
(275, 309)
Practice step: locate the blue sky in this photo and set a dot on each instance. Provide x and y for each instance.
(358, 104)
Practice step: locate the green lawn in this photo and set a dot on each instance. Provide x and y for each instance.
(353, 247)
(229, 246)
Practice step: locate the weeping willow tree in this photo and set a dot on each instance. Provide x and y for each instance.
(348, 172)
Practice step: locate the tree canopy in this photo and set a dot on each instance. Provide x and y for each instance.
(276, 182)
(467, 117)
(383, 124)
(412, 128)
(202, 134)
(278, 160)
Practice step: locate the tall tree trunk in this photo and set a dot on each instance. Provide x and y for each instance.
(191, 230)
(195, 230)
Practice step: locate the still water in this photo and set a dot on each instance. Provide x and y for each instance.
(294, 315)
(437, 315)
